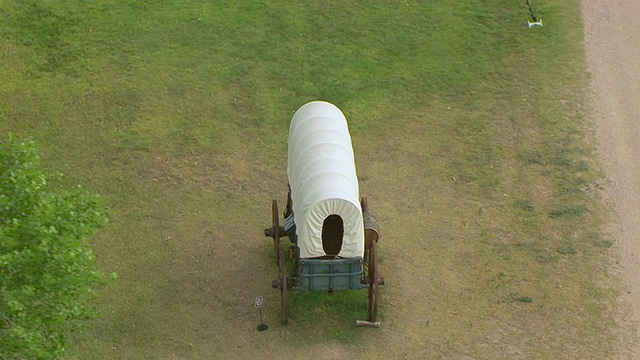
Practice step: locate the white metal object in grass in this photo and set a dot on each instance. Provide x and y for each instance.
(534, 23)
(364, 323)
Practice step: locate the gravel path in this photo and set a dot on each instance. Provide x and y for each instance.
(612, 40)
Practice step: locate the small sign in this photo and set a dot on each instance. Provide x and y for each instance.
(258, 302)
(258, 305)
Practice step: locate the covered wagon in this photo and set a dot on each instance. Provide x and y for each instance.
(332, 235)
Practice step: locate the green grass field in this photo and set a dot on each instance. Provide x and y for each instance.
(472, 141)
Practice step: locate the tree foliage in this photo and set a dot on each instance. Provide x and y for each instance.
(47, 280)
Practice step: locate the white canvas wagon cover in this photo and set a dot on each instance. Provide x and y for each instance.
(323, 180)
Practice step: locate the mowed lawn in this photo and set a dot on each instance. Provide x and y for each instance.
(472, 141)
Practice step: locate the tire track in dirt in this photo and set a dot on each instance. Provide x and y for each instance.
(612, 42)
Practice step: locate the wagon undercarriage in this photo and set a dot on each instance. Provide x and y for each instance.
(327, 274)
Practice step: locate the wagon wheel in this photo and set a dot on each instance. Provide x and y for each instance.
(284, 296)
(275, 229)
(374, 281)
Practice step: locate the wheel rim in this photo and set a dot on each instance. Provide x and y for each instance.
(276, 228)
(284, 296)
(373, 283)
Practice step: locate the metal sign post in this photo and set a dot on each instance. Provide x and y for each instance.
(258, 305)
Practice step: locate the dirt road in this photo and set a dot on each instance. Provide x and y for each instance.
(612, 40)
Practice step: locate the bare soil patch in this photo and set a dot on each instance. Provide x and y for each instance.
(613, 56)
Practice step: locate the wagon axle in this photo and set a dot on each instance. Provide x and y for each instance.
(368, 281)
(277, 284)
(271, 232)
